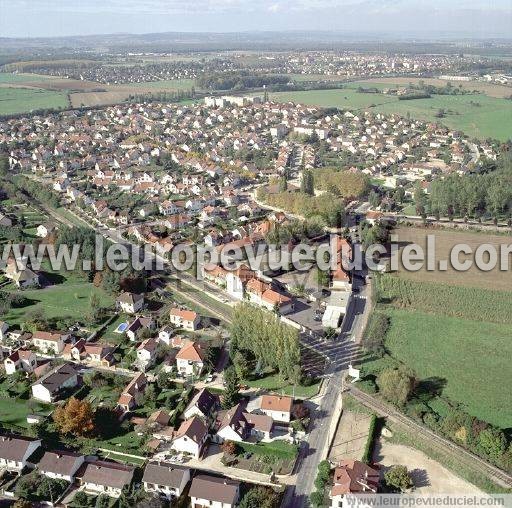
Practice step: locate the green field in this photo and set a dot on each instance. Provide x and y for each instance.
(68, 298)
(274, 383)
(23, 100)
(490, 119)
(458, 338)
(8, 78)
(472, 356)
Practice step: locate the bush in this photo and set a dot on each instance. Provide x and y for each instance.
(368, 449)
(375, 333)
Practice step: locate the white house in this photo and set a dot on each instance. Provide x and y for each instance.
(48, 387)
(106, 478)
(147, 352)
(167, 479)
(353, 477)
(60, 464)
(213, 492)
(48, 342)
(20, 360)
(186, 319)
(204, 404)
(278, 407)
(16, 450)
(190, 359)
(191, 437)
(130, 303)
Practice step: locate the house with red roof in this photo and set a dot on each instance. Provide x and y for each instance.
(190, 359)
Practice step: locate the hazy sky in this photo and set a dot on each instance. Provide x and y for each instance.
(22, 18)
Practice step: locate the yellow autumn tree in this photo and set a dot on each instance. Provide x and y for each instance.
(75, 417)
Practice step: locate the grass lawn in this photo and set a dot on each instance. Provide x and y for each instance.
(9, 78)
(15, 411)
(110, 334)
(24, 100)
(280, 449)
(490, 119)
(69, 298)
(473, 357)
(274, 383)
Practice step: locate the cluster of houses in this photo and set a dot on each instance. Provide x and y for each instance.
(95, 476)
(189, 162)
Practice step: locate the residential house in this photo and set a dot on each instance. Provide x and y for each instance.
(278, 407)
(61, 465)
(138, 325)
(353, 477)
(43, 230)
(49, 342)
(186, 319)
(165, 479)
(102, 477)
(147, 353)
(135, 389)
(213, 492)
(130, 303)
(190, 359)
(191, 437)
(51, 385)
(204, 404)
(16, 450)
(20, 360)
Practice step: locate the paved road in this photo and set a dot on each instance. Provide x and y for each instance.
(340, 354)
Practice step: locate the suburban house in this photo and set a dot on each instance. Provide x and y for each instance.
(138, 325)
(237, 425)
(278, 407)
(263, 295)
(166, 479)
(186, 319)
(49, 342)
(130, 303)
(190, 359)
(43, 230)
(49, 387)
(147, 352)
(204, 404)
(134, 389)
(213, 491)
(60, 464)
(352, 477)
(16, 450)
(20, 360)
(102, 477)
(165, 334)
(191, 437)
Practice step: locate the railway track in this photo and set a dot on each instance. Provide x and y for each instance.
(443, 444)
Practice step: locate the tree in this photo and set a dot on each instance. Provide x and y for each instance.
(317, 498)
(80, 499)
(399, 478)
(260, 497)
(241, 365)
(228, 447)
(396, 385)
(307, 185)
(230, 396)
(283, 184)
(22, 503)
(75, 417)
(492, 442)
